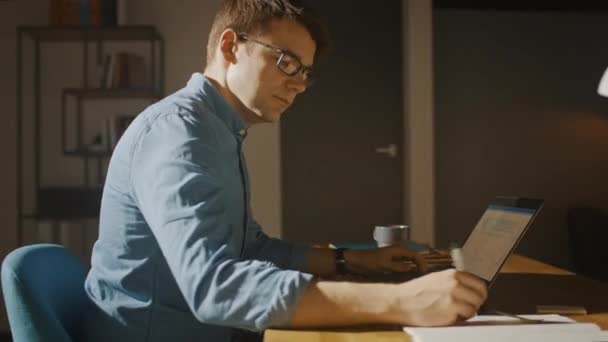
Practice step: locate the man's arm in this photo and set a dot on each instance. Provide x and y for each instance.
(284, 254)
(322, 261)
(290, 255)
(440, 298)
(176, 186)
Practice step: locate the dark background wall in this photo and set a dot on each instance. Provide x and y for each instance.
(517, 113)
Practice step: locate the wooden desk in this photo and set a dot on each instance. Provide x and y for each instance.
(515, 264)
(522, 264)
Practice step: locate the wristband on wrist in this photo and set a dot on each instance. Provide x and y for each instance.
(340, 261)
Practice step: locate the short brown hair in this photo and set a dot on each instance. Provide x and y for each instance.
(252, 16)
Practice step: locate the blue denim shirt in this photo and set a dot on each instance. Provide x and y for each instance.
(179, 256)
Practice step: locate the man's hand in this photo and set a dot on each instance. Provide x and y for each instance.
(440, 298)
(385, 259)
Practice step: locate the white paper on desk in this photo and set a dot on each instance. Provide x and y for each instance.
(555, 332)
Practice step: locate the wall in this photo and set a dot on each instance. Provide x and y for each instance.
(12, 13)
(517, 113)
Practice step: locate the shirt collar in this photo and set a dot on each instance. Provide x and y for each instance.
(221, 108)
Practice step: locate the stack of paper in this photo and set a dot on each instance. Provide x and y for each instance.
(553, 328)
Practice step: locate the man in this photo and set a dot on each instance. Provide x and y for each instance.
(179, 256)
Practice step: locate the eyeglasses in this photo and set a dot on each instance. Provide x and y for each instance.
(288, 63)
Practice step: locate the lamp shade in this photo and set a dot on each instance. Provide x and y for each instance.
(603, 87)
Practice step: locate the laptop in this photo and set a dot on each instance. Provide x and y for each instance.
(497, 233)
(489, 244)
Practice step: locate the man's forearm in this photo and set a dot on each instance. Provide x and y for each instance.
(344, 303)
(320, 261)
(436, 299)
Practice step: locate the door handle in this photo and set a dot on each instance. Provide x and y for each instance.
(390, 150)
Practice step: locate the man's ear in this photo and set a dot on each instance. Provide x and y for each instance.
(228, 45)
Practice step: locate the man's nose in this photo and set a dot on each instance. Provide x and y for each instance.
(298, 83)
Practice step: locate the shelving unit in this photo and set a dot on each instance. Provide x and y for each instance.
(56, 202)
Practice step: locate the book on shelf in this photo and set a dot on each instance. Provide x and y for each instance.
(64, 12)
(123, 70)
(108, 13)
(55, 13)
(87, 13)
(91, 13)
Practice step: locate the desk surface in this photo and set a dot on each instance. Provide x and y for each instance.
(515, 264)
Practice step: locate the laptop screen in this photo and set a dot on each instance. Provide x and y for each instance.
(495, 236)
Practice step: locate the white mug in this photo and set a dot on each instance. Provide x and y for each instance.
(391, 234)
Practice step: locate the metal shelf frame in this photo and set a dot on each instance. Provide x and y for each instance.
(85, 36)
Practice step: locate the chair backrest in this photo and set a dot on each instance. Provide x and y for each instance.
(588, 232)
(43, 287)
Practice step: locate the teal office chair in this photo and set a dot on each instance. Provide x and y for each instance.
(43, 287)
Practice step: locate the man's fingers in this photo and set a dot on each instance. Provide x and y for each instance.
(465, 310)
(474, 283)
(402, 266)
(400, 253)
(468, 296)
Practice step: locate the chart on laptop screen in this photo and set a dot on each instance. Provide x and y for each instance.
(493, 237)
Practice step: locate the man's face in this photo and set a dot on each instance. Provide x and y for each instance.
(264, 90)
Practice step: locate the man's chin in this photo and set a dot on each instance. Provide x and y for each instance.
(272, 117)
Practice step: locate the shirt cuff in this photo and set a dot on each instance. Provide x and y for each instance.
(299, 254)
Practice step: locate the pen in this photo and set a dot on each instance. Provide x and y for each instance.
(525, 319)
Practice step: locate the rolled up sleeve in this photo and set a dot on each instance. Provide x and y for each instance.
(284, 254)
(177, 188)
